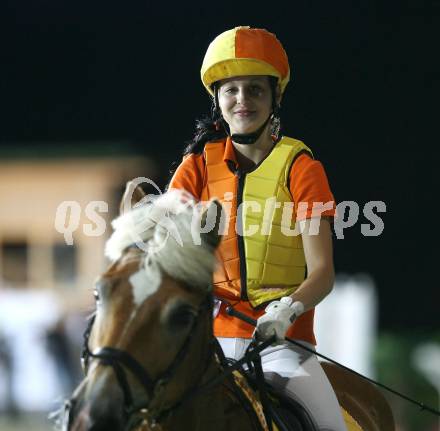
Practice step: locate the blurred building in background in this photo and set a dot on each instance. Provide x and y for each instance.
(46, 281)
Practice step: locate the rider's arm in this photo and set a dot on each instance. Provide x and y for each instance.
(309, 185)
(318, 251)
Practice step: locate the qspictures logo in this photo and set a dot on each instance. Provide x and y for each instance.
(348, 215)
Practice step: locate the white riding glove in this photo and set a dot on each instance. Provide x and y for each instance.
(277, 318)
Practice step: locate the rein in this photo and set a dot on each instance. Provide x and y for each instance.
(250, 356)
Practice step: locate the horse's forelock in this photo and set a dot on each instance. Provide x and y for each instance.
(174, 249)
(140, 223)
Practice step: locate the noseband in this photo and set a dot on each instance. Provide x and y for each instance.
(121, 360)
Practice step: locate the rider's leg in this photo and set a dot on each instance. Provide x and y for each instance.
(234, 348)
(299, 375)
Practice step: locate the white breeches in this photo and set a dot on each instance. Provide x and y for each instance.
(299, 375)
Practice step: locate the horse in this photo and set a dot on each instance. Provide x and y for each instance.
(151, 360)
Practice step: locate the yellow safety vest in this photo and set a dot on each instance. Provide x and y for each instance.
(264, 262)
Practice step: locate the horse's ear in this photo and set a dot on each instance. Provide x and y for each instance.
(211, 218)
(132, 195)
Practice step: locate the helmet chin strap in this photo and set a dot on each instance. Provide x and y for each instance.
(247, 138)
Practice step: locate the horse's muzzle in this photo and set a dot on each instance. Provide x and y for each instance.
(97, 405)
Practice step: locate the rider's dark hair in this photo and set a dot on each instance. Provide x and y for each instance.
(208, 128)
(213, 128)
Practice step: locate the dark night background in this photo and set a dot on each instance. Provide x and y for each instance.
(363, 95)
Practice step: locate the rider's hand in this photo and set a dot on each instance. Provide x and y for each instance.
(277, 318)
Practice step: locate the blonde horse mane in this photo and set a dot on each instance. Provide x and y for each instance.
(166, 229)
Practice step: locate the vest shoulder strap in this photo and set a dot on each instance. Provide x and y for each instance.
(297, 146)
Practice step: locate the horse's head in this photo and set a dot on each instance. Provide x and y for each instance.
(148, 343)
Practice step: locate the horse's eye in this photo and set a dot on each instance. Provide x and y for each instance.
(96, 294)
(101, 289)
(181, 317)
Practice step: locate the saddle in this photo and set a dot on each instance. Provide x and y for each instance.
(284, 413)
(289, 415)
(363, 406)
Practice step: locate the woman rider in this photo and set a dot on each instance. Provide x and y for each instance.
(240, 157)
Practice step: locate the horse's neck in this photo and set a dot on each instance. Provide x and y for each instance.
(217, 409)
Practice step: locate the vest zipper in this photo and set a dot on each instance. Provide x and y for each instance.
(240, 242)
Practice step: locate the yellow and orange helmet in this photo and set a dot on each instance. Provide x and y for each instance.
(245, 51)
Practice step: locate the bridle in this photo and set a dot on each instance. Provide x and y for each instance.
(146, 413)
(121, 360)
